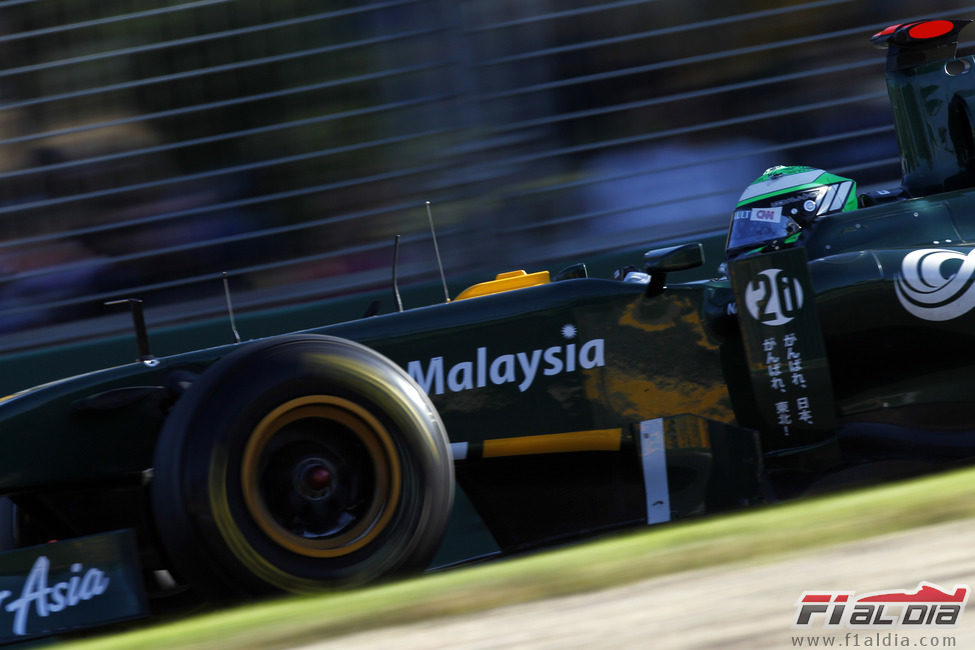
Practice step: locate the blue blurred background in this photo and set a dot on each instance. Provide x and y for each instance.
(146, 147)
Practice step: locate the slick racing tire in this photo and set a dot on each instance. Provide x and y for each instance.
(301, 463)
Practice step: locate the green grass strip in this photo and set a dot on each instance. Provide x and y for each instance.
(754, 535)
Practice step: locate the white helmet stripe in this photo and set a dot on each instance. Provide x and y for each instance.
(840, 199)
(780, 183)
(826, 200)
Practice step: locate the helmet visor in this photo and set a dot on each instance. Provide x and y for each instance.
(755, 227)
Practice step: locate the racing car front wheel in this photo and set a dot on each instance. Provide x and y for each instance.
(300, 463)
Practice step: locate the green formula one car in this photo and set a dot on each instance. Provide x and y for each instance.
(836, 344)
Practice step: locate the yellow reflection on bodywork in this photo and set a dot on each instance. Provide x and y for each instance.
(687, 432)
(640, 397)
(679, 309)
(671, 365)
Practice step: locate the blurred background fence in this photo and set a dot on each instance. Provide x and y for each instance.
(146, 147)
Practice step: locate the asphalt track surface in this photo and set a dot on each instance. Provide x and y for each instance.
(742, 606)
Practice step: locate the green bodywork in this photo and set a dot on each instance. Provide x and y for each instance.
(649, 357)
(577, 355)
(887, 367)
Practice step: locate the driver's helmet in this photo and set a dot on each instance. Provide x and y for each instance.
(784, 200)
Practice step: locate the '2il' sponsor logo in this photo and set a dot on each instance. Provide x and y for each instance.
(773, 298)
(926, 606)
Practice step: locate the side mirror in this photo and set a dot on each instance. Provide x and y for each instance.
(661, 261)
(572, 272)
(674, 258)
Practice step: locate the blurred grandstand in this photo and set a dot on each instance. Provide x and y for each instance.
(147, 147)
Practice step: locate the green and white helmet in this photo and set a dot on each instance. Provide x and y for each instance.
(783, 201)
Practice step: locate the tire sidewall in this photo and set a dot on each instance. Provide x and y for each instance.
(202, 446)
